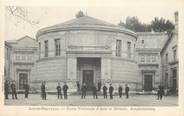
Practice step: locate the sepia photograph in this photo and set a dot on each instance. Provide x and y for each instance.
(90, 56)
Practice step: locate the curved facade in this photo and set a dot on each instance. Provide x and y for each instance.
(86, 50)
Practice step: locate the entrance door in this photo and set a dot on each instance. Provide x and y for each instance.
(88, 78)
(148, 82)
(23, 79)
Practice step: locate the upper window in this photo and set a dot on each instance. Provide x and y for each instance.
(174, 54)
(142, 58)
(154, 58)
(148, 58)
(118, 47)
(166, 58)
(57, 47)
(46, 48)
(129, 49)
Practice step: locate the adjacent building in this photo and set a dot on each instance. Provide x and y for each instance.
(20, 57)
(148, 47)
(169, 57)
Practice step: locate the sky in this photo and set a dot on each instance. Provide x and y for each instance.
(16, 28)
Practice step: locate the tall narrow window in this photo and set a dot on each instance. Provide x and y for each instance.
(142, 58)
(57, 47)
(174, 54)
(118, 47)
(39, 49)
(46, 48)
(166, 58)
(129, 49)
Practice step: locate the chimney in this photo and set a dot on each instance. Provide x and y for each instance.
(176, 20)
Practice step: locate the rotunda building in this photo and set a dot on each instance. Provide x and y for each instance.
(86, 50)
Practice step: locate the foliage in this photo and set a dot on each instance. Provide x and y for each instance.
(157, 25)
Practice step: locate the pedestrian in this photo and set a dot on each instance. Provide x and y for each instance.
(43, 91)
(160, 92)
(94, 89)
(6, 89)
(120, 89)
(127, 91)
(59, 91)
(14, 92)
(65, 89)
(26, 87)
(111, 89)
(78, 86)
(99, 85)
(105, 92)
(83, 89)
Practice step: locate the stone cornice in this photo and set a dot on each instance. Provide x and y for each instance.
(88, 27)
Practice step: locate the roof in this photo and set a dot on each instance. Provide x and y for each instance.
(170, 38)
(25, 41)
(151, 40)
(85, 23)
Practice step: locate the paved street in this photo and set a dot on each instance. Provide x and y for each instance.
(134, 100)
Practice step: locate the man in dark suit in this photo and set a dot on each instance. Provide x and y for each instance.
(6, 89)
(65, 89)
(105, 92)
(43, 91)
(94, 89)
(26, 87)
(127, 91)
(59, 91)
(83, 89)
(120, 89)
(99, 85)
(13, 88)
(160, 92)
(111, 89)
(78, 86)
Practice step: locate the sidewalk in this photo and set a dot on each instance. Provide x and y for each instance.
(134, 100)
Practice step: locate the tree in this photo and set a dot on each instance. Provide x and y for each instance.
(161, 25)
(21, 13)
(157, 25)
(79, 14)
(134, 24)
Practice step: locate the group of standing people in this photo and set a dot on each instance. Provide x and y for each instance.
(160, 92)
(58, 88)
(104, 88)
(12, 86)
(95, 88)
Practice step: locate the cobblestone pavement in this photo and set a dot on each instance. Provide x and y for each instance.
(134, 100)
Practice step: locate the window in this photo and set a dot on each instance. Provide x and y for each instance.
(153, 58)
(23, 57)
(129, 49)
(29, 58)
(148, 58)
(39, 49)
(17, 57)
(46, 48)
(142, 41)
(174, 54)
(142, 58)
(118, 47)
(57, 47)
(166, 58)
